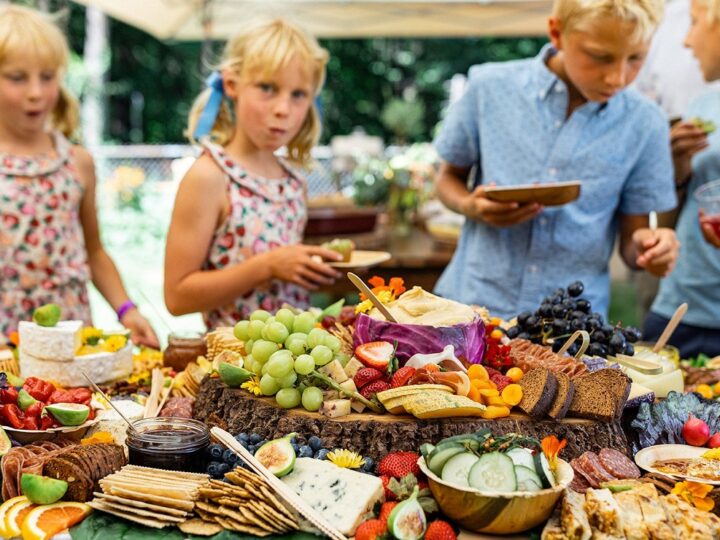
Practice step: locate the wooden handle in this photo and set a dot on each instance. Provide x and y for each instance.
(671, 326)
(363, 288)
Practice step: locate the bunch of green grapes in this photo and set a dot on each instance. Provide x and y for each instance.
(282, 349)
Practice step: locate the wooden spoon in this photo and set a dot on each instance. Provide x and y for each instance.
(360, 284)
(671, 326)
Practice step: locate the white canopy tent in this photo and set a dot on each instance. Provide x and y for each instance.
(195, 20)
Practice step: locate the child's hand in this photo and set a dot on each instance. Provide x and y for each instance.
(141, 333)
(657, 250)
(711, 237)
(478, 207)
(299, 264)
(686, 140)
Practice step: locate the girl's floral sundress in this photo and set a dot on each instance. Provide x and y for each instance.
(42, 248)
(264, 214)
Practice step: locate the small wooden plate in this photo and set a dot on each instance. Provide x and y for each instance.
(555, 194)
(647, 457)
(363, 259)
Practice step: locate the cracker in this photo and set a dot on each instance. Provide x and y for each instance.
(254, 519)
(231, 502)
(279, 506)
(141, 504)
(199, 527)
(143, 521)
(211, 493)
(182, 504)
(275, 515)
(173, 493)
(139, 477)
(200, 477)
(140, 512)
(209, 508)
(241, 527)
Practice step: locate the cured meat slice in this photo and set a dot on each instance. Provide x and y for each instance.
(590, 464)
(579, 483)
(618, 464)
(582, 475)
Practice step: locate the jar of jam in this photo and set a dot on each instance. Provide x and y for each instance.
(176, 444)
(183, 349)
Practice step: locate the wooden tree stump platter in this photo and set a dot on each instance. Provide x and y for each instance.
(375, 435)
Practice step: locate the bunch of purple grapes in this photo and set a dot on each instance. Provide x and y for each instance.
(564, 312)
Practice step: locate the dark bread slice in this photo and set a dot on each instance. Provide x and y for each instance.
(600, 395)
(563, 398)
(539, 387)
(80, 485)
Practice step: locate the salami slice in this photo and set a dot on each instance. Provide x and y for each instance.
(590, 464)
(618, 464)
(580, 473)
(579, 483)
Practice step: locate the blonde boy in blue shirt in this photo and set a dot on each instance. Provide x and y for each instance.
(564, 115)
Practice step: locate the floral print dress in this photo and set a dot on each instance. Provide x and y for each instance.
(264, 214)
(42, 248)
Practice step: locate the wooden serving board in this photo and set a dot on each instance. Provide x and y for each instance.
(375, 435)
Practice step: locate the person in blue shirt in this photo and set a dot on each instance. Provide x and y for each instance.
(564, 115)
(696, 280)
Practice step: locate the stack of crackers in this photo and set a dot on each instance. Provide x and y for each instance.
(246, 505)
(222, 339)
(152, 497)
(187, 382)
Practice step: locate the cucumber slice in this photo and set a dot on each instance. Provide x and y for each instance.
(493, 472)
(425, 450)
(522, 456)
(442, 453)
(457, 468)
(542, 468)
(527, 480)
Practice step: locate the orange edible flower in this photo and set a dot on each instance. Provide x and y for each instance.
(551, 447)
(101, 437)
(695, 493)
(385, 293)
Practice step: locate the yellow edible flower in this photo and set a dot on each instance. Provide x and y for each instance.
(90, 335)
(695, 493)
(712, 454)
(346, 459)
(114, 343)
(252, 386)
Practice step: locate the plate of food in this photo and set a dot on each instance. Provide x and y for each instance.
(555, 194)
(354, 258)
(681, 461)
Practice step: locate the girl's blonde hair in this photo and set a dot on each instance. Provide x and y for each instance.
(713, 10)
(260, 51)
(23, 31)
(645, 15)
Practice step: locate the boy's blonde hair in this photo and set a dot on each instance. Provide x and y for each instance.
(260, 51)
(644, 14)
(23, 31)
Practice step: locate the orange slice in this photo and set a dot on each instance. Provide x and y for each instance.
(4, 509)
(15, 516)
(45, 521)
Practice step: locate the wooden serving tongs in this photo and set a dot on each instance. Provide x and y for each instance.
(363, 288)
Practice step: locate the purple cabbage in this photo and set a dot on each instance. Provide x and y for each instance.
(468, 338)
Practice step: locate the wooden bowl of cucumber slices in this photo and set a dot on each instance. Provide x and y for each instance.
(495, 493)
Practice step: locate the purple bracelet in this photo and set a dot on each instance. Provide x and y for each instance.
(123, 309)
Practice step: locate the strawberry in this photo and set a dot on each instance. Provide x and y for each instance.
(365, 376)
(385, 510)
(389, 493)
(399, 464)
(440, 530)
(376, 354)
(371, 529)
(374, 387)
(402, 376)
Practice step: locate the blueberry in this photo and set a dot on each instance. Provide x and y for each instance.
(513, 332)
(230, 457)
(214, 469)
(259, 444)
(576, 288)
(369, 465)
(315, 443)
(295, 446)
(215, 451)
(305, 451)
(245, 444)
(322, 453)
(242, 438)
(223, 468)
(254, 438)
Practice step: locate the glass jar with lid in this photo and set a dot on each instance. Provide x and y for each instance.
(182, 349)
(176, 444)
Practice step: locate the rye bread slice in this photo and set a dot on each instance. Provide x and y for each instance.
(600, 395)
(563, 398)
(80, 485)
(539, 387)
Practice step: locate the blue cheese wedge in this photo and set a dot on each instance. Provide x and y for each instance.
(57, 343)
(341, 496)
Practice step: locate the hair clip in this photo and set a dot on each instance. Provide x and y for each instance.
(209, 113)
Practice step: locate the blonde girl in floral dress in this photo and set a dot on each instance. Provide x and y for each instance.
(235, 240)
(49, 241)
